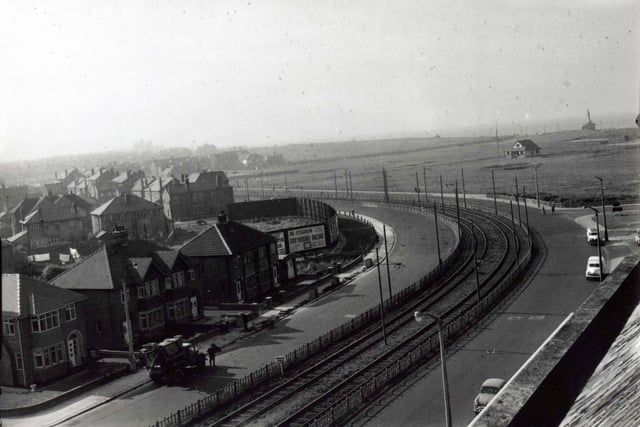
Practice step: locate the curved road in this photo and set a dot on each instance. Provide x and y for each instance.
(414, 254)
(498, 346)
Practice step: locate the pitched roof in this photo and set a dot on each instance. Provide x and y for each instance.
(105, 268)
(17, 236)
(24, 296)
(124, 203)
(168, 258)
(200, 181)
(26, 204)
(228, 238)
(529, 144)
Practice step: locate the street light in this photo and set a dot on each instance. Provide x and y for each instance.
(125, 289)
(598, 240)
(604, 212)
(443, 362)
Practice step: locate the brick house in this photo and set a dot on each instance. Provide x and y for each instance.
(125, 181)
(141, 218)
(235, 263)
(152, 189)
(56, 220)
(160, 283)
(43, 332)
(20, 211)
(198, 195)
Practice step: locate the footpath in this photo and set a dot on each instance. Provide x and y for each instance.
(61, 401)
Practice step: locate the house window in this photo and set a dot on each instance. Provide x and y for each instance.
(49, 356)
(19, 362)
(179, 279)
(151, 319)
(9, 326)
(148, 289)
(262, 252)
(179, 309)
(70, 312)
(168, 282)
(45, 322)
(192, 274)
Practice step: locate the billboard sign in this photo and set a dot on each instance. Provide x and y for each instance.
(303, 239)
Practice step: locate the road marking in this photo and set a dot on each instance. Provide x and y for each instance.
(514, 318)
(537, 317)
(349, 316)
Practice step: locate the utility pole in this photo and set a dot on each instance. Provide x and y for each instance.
(513, 228)
(435, 215)
(604, 211)
(464, 192)
(518, 202)
(497, 143)
(458, 211)
(418, 191)
(127, 318)
(475, 263)
(285, 184)
(526, 212)
(346, 182)
(495, 201)
(384, 330)
(246, 183)
(350, 185)
(385, 180)
(535, 176)
(424, 172)
(386, 251)
(441, 194)
(335, 181)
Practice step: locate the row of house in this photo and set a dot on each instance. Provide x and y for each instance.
(50, 328)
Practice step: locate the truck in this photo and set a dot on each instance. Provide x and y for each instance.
(170, 361)
(592, 236)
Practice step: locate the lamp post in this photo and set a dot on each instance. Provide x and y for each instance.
(443, 362)
(598, 240)
(475, 263)
(604, 212)
(125, 290)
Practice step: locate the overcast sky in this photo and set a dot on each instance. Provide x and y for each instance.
(79, 76)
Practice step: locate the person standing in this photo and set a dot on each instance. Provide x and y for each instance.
(212, 350)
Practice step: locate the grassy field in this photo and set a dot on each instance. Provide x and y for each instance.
(567, 161)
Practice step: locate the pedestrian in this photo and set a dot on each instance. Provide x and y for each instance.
(553, 208)
(213, 349)
(544, 212)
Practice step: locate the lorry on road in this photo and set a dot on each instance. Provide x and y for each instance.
(592, 236)
(170, 361)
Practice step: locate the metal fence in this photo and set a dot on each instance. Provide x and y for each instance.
(239, 387)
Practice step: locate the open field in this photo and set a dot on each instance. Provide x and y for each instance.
(567, 161)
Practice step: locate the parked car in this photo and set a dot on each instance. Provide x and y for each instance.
(593, 268)
(592, 236)
(201, 222)
(488, 391)
(636, 237)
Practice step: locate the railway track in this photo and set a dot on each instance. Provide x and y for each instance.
(309, 393)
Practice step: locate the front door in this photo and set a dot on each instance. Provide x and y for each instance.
(73, 349)
(194, 307)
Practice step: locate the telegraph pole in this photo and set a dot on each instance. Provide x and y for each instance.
(262, 184)
(513, 228)
(335, 181)
(435, 215)
(418, 191)
(386, 251)
(526, 212)
(246, 183)
(518, 202)
(424, 171)
(441, 194)
(384, 330)
(350, 185)
(464, 192)
(458, 211)
(495, 201)
(346, 182)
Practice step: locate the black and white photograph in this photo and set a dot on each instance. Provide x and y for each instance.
(320, 213)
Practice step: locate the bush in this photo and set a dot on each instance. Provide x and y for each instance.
(51, 271)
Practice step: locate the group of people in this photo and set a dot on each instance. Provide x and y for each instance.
(553, 209)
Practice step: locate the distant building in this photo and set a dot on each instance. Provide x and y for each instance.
(20, 211)
(197, 196)
(79, 187)
(235, 263)
(226, 160)
(152, 189)
(161, 285)
(44, 332)
(125, 181)
(11, 196)
(101, 186)
(589, 125)
(273, 160)
(523, 148)
(141, 218)
(177, 166)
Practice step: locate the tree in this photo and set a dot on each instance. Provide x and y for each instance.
(51, 271)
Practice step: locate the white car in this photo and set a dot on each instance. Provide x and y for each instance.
(593, 268)
(488, 391)
(636, 237)
(592, 236)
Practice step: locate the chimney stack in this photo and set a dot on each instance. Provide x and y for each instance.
(222, 217)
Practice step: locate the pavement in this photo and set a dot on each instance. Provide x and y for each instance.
(89, 389)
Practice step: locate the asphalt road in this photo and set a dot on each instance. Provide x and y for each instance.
(498, 346)
(414, 254)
